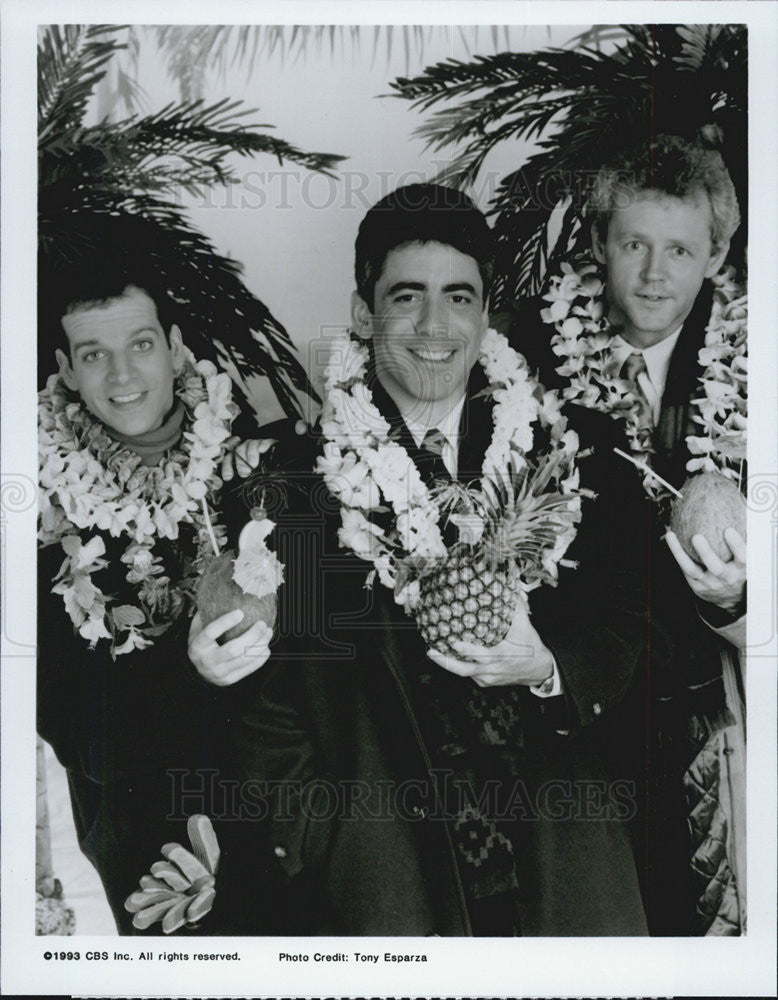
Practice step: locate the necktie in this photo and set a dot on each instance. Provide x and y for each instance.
(430, 461)
(634, 366)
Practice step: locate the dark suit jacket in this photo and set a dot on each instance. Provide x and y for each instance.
(329, 741)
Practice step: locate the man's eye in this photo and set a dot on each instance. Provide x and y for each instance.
(91, 356)
(680, 252)
(405, 297)
(143, 345)
(634, 245)
(460, 299)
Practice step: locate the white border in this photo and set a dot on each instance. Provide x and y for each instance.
(523, 967)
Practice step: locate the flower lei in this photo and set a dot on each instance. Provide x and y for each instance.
(370, 473)
(91, 484)
(722, 410)
(584, 343)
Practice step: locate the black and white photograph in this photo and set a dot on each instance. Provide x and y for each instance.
(399, 481)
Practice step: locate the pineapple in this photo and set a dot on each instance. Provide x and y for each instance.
(506, 526)
(465, 599)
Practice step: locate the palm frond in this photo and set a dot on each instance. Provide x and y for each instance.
(71, 62)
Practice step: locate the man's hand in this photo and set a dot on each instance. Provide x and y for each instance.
(520, 658)
(236, 659)
(242, 458)
(713, 580)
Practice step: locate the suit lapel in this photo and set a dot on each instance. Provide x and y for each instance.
(475, 427)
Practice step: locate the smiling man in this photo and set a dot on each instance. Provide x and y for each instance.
(121, 696)
(122, 362)
(409, 791)
(426, 322)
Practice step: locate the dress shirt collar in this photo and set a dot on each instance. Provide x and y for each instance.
(657, 358)
(448, 426)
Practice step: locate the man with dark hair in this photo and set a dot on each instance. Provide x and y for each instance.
(119, 696)
(662, 218)
(415, 791)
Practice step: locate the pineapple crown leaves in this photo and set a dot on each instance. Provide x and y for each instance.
(520, 507)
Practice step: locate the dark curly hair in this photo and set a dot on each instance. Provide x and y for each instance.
(420, 213)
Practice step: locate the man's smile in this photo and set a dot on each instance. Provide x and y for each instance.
(127, 399)
(428, 354)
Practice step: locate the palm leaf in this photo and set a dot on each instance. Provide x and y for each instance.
(71, 62)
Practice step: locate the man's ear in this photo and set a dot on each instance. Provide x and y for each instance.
(717, 258)
(66, 370)
(598, 245)
(176, 349)
(361, 317)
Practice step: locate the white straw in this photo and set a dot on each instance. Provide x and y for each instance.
(649, 470)
(209, 526)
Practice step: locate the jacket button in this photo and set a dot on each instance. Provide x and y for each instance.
(280, 852)
(597, 708)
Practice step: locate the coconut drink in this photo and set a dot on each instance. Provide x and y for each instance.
(710, 503)
(248, 581)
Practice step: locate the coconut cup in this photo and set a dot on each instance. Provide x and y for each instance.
(710, 504)
(218, 593)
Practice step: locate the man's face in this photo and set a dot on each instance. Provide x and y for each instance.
(657, 253)
(121, 363)
(427, 325)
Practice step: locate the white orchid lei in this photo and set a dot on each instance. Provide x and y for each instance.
(91, 484)
(583, 341)
(722, 410)
(370, 474)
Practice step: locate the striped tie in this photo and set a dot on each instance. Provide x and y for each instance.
(634, 366)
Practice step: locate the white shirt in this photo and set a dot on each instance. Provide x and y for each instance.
(657, 358)
(449, 428)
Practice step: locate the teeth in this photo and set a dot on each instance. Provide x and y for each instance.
(126, 399)
(428, 355)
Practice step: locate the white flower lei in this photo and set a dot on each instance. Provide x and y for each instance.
(584, 343)
(366, 470)
(91, 484)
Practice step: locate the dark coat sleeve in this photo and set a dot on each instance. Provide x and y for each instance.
(596, 622)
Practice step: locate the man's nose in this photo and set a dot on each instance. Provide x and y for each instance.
(654, 266)
(120, 368)
(433, 319)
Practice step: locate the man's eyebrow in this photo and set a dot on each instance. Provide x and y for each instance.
(419, 286)
(94, 342)
(415, 286)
